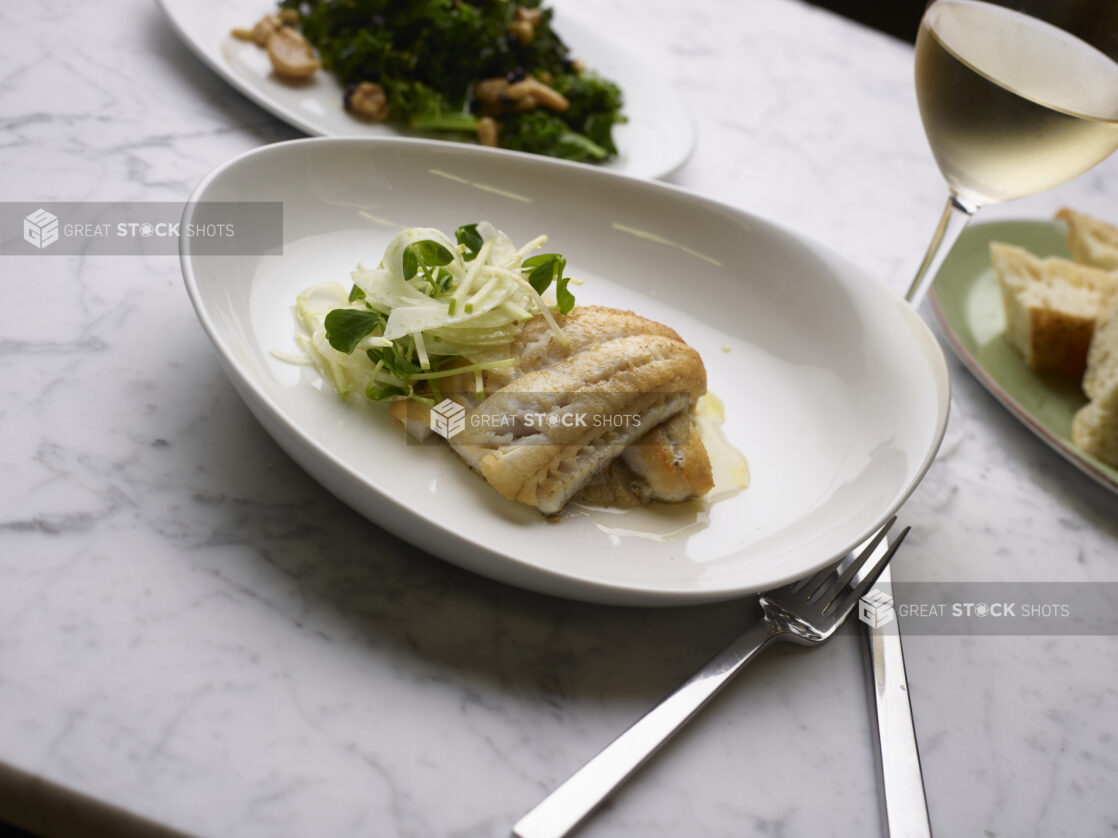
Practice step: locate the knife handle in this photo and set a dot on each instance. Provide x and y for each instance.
(904, 805)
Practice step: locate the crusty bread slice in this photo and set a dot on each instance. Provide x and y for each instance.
(1051, 306)
(1102, 356)
(1091, 241)
(1095, 427)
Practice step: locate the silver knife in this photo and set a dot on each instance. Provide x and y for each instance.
(904, 807)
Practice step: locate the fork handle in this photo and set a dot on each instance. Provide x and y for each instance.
(587, 788)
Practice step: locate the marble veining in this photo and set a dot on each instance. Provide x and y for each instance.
(191, 629)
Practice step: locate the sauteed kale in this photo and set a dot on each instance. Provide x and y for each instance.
(492, 67)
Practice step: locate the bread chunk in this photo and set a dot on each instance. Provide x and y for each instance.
(1091, 241)
(1051, 307)
(1102, 355)
(1095, 427)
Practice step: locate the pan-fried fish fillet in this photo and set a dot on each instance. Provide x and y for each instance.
(669, 463)
(590, 407)
(672, 460)
(632, 380)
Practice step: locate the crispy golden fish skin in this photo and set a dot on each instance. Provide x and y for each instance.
(615, 486)
(669, 464)
(536, 347)
(672, 460)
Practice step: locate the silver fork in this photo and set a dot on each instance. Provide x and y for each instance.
(808, 612)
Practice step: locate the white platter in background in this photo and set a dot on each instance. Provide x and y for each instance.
(657, 139)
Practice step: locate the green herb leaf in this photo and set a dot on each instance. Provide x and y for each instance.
(379, 392)
(442, 281)
(393, 361)
(355, 294)
(543, 269)
(468, 235)
(563, 296)
(427, 254)
(345, 327)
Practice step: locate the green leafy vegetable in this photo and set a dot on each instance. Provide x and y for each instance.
(563, 296)
(429, 56)
(468, 236)
(379, 392)
(394, 362)
(425, 254)
(538, 132)
(345, 327)
(544, 269)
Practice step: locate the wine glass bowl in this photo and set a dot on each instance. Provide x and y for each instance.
(1016, 96)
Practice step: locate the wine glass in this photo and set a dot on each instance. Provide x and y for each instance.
(1016, 96)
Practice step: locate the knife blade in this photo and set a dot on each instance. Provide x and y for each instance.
(904, 805)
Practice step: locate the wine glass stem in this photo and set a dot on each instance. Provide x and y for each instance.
(955, 217)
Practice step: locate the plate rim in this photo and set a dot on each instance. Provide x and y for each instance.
(514, 569)
(1063, 447)
(293, 118)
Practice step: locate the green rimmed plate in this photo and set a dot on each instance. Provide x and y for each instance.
(967, 305)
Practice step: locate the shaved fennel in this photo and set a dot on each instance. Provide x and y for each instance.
(433, 308)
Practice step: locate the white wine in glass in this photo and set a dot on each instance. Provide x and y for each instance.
(1012, 104)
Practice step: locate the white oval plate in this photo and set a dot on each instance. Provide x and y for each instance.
(834, 389)
(657, 139)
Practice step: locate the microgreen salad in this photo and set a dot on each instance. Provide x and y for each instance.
(434, 307)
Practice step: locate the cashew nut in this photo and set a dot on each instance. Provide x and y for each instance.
(496, 95)
(532, 16)
(291, 55)
(368, 101)
(523, 31)
(264, 29)
(536, 90)
(487, 131)
(489, 94)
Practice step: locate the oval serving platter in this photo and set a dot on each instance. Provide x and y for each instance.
(833, 388)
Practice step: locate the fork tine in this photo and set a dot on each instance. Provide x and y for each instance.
(870, 578)
(839, 585)
(811, 585)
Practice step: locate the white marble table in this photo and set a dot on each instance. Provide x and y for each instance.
(194, 632)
